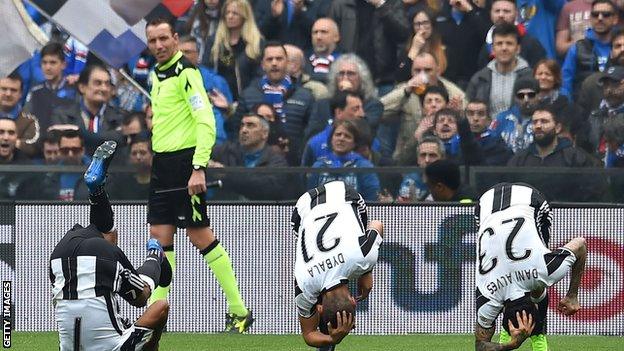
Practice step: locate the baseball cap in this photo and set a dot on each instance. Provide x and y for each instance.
(613, 73)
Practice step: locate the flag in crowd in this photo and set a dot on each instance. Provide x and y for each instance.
(21, 36)
(114, 30)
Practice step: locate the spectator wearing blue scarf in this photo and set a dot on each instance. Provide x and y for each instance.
(345, 138)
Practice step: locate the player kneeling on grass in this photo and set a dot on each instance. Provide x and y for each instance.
(514, 266)
(334, 246)
(89, 273)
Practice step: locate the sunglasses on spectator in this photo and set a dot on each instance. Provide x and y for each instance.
(479, 113)
(530, 95)
(347, 73)
(73, 150)
(605, 14)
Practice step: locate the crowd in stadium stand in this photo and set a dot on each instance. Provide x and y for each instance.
(357, 83)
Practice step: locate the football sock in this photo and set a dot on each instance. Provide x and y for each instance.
(161, 293)
(221, 265)
(101, 212)
(504, 336)
(539, 342)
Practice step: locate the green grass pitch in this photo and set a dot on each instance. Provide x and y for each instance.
(224, 342)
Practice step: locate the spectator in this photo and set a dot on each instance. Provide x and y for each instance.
(291, 103)
(278, 139)
(236, 48)
(434, 99)
(413, 187)
(10, 155)
(495, 82)
(345, 139)
(374, 30)
(95, 118)
(591, 53)
(412, 7)
(347, 73)
(425, 39)
(251, 151)
(345, 106)
(133, 125)
(28, 130)
(572, 24)
(614, 139)
(611, 107)
(539, 17)
(325, 38)
(403, 106)
(505, 11)
(202, 23)
(134, 186)
(495, 151)
(459, 143)
(51, 149)
(295, 71)
(286, 21)
(216, 87)
(547, 149)
(126, 96)
(548, 75)
(55, 91)
(514, 125)
(444, 182)
(591, 92)
(72, 149)
(462, 27)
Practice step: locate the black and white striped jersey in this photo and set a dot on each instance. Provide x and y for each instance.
(84, 265)
(333, 245)
(524, 198)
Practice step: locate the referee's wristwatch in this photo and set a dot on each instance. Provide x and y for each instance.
(198, 168)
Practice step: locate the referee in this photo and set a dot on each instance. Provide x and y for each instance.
(183, 134)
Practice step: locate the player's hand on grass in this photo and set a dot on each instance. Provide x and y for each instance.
(569, 305)
(345, 324)
(524, 330)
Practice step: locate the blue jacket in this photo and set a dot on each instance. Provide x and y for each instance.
(509, 125)
(570, 71)
(214, 81)
(540, 19)
(366, 184)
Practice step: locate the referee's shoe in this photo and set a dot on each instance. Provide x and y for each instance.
(238, 325)
(95, 175)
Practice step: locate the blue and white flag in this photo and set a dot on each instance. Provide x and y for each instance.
(20, 36)
(112, 29)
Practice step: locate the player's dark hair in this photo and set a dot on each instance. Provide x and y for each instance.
(445, 172)
(85, 75)
(518, 305)
(505, 29)
(338, 303)
(53, 49)
(160, 20)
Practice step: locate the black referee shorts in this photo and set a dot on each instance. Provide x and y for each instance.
(173, 170)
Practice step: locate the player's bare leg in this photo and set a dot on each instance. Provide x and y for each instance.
(239, 318)
(164, 234)
(155, 318)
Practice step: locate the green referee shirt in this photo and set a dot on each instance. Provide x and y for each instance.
(183, 115)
